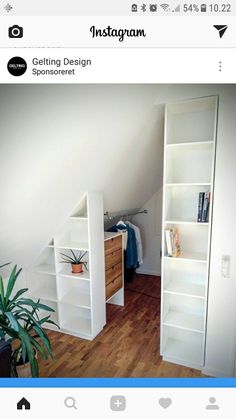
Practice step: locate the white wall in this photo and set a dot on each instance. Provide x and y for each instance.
(150, 225)
(59, 141)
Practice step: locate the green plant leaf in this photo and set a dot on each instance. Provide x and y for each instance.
(11, 282)
(39, 348)
(8, 330)
(29, 350)
(31, 303)
(13, 322)
(69, 258)
(2, 293)
(19, 293)
(44, 339)
(34, 367)
(5, 264)
(74, 255)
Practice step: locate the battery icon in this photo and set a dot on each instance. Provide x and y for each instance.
(203, 8)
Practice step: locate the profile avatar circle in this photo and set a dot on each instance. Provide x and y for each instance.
(17, 66)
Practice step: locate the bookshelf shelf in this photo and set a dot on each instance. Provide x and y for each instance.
(75, 324)
(73, 245)
(188, 184)
(185, 347)
(45, 269)
(195, 257)
(185, 321)
(78, 298)
(188, 222)
(189, 144)
(190, 135)
(85, 276)
(45, 292)
(185, 288)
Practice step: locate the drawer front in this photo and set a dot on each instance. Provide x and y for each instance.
(113, 258)
(113, 244)
(113, 287)
(113, 272)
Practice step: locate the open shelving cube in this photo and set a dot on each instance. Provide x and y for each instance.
(182, 346)
(74, 291)
(64, 269)
(75, 320)
(43, 285)
(73, 235)
(46, 262)
(193, 240)
(182, 203)
(191, 121)
(189, 156)
(185, 277)
(184, 312)
(189, 163)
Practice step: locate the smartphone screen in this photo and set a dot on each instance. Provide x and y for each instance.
(117, 215)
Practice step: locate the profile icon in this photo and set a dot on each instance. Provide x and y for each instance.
(212, 404)
(17, 66)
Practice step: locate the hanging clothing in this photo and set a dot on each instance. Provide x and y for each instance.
(138, 241)
(125, 237)
(131, 253)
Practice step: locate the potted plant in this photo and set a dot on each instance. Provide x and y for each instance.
(76, 261)
(21, 325)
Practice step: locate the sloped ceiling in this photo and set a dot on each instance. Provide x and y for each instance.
(57, 141)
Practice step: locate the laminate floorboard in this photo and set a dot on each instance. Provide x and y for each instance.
(128, 346)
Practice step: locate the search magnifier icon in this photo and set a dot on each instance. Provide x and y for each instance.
(70, 403)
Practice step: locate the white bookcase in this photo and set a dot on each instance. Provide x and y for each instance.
(189, 157)
(78, 299)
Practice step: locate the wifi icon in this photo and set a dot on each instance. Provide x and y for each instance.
(165, 7)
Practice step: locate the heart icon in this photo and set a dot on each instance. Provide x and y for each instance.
(165, 402)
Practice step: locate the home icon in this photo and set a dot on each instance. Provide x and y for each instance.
(23, 404)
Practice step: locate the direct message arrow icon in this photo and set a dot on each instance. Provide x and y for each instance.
(221, 29)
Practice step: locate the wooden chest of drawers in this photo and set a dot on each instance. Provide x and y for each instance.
(113, 265)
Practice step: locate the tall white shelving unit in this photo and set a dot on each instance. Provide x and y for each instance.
(189, 157)
(78, 299)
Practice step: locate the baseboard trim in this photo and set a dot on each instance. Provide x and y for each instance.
(214, 373)
(147, 272)
(180, 362)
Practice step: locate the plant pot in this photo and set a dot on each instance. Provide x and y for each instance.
(24, 371)
(77, 268)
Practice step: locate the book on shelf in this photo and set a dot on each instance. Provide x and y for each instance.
(172, 242)
(168, 242)
(203, 206)
(176, 243)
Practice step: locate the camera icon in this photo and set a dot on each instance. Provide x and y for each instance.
(15, 32)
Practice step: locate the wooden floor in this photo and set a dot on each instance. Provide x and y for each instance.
(128, 346)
